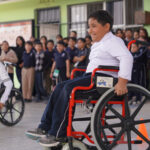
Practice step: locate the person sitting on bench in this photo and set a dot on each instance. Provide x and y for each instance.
(107, 50)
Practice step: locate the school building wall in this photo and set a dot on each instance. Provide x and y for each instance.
(25, 10)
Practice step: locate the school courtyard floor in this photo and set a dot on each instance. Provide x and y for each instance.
(13, 138)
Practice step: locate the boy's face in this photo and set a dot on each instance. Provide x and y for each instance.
(88, 41)
(136, 35)
(5, 46)
(128, 34)
(134, 48)
(71, 43)
(50, 46)
(60, 47)
(72, 34)
(119, 34)
(80, 44)
(28, 48)
(97, 30)
(38, 47)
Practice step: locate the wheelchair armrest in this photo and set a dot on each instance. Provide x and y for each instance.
(108, 67)
(77, 69)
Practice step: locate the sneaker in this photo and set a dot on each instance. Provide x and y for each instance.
(36, 134)
(49, 141)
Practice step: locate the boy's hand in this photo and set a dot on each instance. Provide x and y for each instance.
(51, 75)
(21, 65)
(68, 75)
(1, 105)
(121, 87)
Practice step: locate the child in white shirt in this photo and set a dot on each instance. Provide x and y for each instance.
(6, 81)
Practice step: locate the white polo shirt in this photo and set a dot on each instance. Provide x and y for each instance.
(111, 51)
(3, 74)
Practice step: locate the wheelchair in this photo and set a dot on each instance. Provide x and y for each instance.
(14, 107)
(113, 120)
(13, 110)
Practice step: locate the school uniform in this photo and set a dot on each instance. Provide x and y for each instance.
(71, 53)
(19, 52)
(109, 51)
(139, 70)
(79, 53)
(28, 73)
(39, 66)
(60, 59)
(49, 58)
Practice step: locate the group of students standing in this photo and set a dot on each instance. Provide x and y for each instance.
(140, 51)
(38, 60)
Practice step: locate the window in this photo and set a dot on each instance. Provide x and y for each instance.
(51, 15)
(115, 8)
(122, 11)
(78, 20)
(79, 15)
(131, 7)
(49, 22)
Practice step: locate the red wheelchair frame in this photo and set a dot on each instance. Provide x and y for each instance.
(73, 102)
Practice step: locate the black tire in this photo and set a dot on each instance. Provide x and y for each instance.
(101, 127)
(13, 111)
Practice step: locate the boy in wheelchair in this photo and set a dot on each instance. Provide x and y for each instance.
(7, 83)
(107, 50)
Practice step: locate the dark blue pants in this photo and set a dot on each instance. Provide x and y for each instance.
(54, 119)
(40, 91)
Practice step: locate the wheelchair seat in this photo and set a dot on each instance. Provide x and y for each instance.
(84, 95)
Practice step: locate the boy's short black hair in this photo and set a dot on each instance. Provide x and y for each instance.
(119, 30)
(81, 39)
(29, 43)
(75, 32)
(73, 39)
(38, 43)
(88, 37)
(128, 29)
(59, 35)
(66, 38)
(50, 41)
(102, 17)
(61, 43)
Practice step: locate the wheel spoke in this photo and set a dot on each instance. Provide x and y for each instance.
(140, 135)
(105, 137)
(116, 113)
(4, 113)
(11, 115)
(141, 121)
(109, 126)
(116, 139)
(127, 109)
(16, 110)
(138, 109)
(129, 140)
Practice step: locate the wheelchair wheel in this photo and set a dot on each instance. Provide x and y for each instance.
(13, 111)
(110, 129)
(76, 144)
